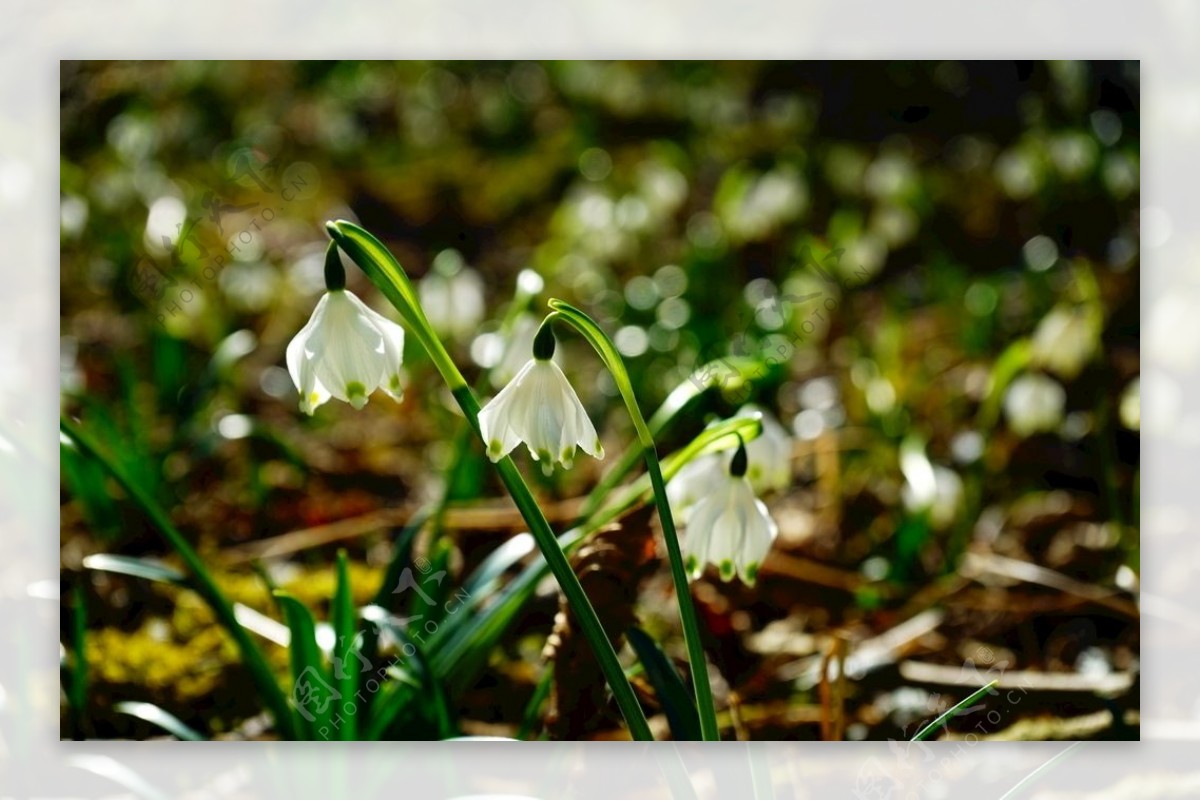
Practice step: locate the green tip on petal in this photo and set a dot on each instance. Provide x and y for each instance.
(751, 573)
(308, 405)
(726, 569)
(357, 394)
(692, 566)
(394, 382)
(599, 449)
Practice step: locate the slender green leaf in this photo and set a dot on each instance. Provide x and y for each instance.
(159, 717)
(673, 694)
(482, 580)
(533, 709)
(942, 719)
(77, 692)
(134, 566)
(401, 557)
(420, 685)
(345, 640)
(313, 697)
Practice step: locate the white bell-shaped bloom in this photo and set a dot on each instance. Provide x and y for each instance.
(539, 408)
(729, 527)
(1034, 403)
(770, 452)
(345, 351)
(1065, 339)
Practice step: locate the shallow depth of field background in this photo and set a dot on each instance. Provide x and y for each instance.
(679, 204)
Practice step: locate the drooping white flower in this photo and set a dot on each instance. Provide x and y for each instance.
(1065, 339)
(729, 527)
(540, 408)
(345, 351)
(1034, 403)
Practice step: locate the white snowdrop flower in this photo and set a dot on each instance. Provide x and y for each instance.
(729, 527)
(452, 296)
(1034, 403)
(770, 452)
(1065, 339)
(539, 408)
(345, 350)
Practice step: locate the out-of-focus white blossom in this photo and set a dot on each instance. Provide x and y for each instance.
(1033, 403)
(452, 296)
(1065, 339)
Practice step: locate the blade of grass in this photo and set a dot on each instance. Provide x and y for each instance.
(204, 584)
(345, 640)
(134, 566)
(673, 694)
(161, 718)
(308, 674)
(430, 694)
(942, 719)
(533, 709)
(77, 695)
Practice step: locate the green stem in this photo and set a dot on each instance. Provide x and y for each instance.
(687, 610)
(385, 272)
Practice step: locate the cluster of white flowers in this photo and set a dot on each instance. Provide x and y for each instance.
(347, 351)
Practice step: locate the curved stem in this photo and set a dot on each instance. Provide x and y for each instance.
(385, 272)
(687, 610)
